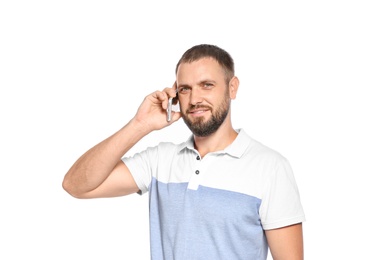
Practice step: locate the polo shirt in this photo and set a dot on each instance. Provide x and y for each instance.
(218, 206)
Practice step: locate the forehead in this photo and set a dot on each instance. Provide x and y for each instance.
(205, 68)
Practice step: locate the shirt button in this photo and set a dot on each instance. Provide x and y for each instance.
(197, 157)
(196, 172)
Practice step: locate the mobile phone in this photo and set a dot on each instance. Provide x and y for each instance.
(169, 109)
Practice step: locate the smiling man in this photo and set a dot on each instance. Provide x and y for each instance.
(218, 195)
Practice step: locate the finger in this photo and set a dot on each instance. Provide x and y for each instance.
(161, 95)
(175, 116)
(163, 98)
(171, 92)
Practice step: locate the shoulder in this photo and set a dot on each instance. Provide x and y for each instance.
(166, 150)
(169, 146)
(258, 150)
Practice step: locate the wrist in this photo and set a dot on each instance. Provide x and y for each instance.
(138, 127)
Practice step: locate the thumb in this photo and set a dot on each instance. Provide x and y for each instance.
(175, 116)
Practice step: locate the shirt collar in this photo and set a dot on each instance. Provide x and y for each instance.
(189, 144)
(235, 149)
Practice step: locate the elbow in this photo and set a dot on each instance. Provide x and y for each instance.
(71, 189)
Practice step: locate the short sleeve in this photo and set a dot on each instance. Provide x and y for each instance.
(141, 167)
(281, 205)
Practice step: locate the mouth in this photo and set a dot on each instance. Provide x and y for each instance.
(200, 111)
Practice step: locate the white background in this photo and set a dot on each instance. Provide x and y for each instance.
(314, 86)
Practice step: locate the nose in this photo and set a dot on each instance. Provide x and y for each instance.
(196, 96)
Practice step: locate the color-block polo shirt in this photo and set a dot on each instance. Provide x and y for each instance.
(218, 206)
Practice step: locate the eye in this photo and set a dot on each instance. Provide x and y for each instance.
(183, 90)
(207, 85)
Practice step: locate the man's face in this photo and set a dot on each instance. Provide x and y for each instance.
(203, 95)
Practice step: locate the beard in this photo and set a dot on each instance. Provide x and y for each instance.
(202, 128)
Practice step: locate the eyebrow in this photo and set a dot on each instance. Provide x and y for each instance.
(202, 82)
(207, 81)
(183, 85)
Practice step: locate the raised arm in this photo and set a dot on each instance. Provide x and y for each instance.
(100, 171)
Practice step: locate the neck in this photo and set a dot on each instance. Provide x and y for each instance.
(217, 141)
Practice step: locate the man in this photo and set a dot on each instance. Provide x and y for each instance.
(220, 194)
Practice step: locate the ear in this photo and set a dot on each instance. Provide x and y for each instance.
(233, 87)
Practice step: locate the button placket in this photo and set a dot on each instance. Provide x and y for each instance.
(196, 176)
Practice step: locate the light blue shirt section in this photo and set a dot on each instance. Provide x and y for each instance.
(206, 223)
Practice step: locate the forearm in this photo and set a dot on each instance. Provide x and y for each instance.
(93, 167)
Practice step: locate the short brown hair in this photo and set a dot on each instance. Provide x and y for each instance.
(200, 51)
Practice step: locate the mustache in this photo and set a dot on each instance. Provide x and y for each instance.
(194, 107)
